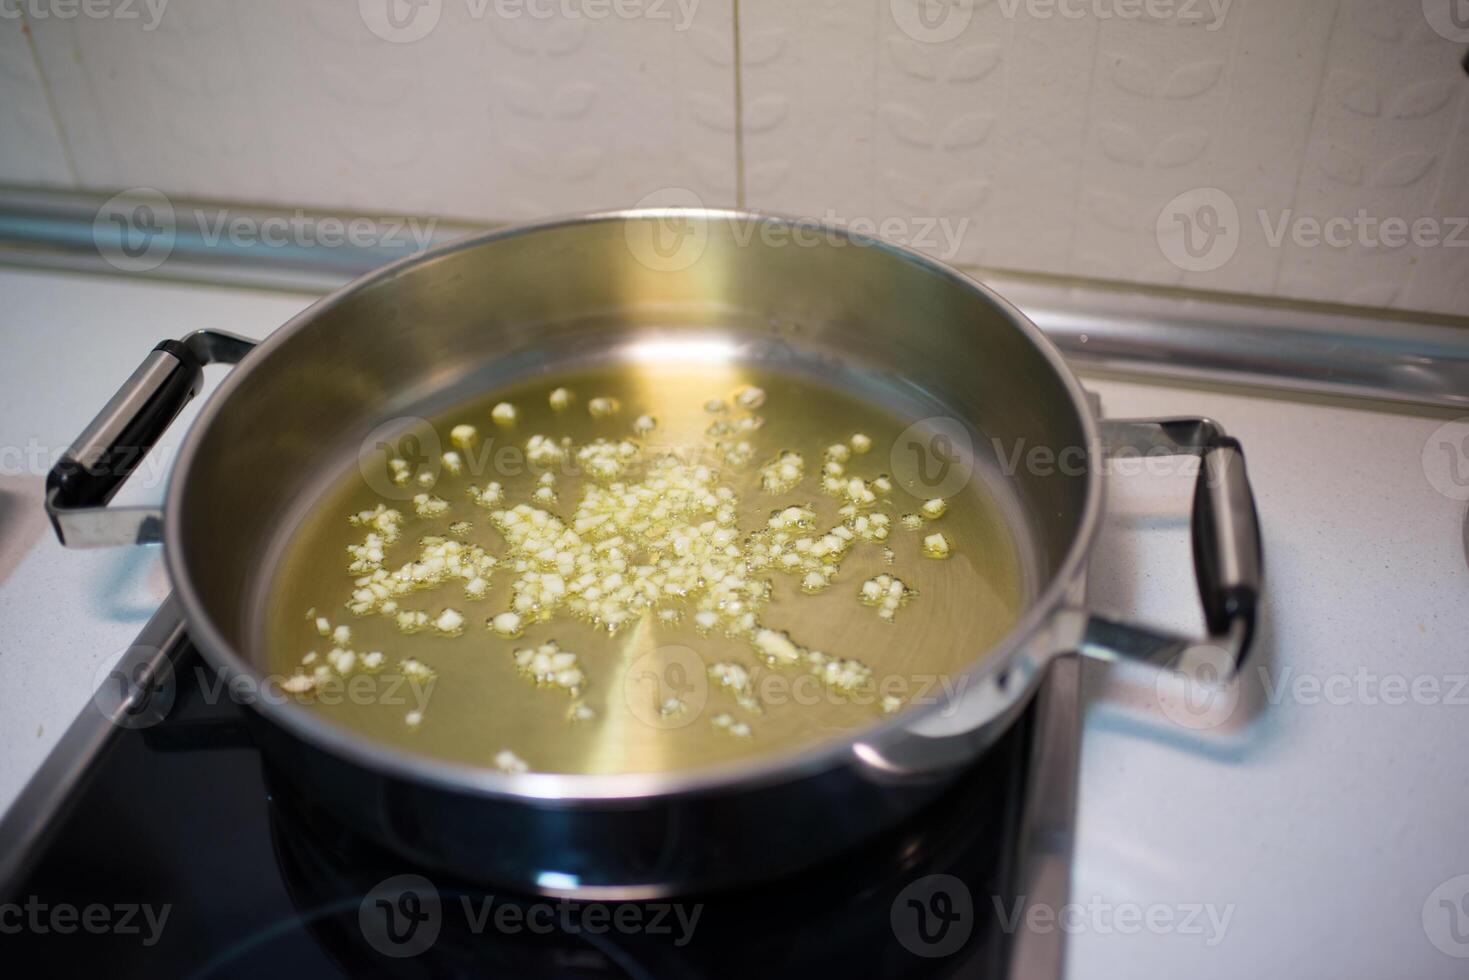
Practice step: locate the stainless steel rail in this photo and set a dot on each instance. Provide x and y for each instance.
(1165, 333)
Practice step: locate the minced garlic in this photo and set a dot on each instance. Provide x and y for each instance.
(550, 666)
(489, 497)
(782, 473)
(449, 622)
(936, 546)
(463, 436)
(886, 592)
(427, 505)
(508, 762)
(503, 414)
(544, 451)
(601, 408)
(415, 670)
(749, 397)
(506, 624)
(737, 681)
(776, 648)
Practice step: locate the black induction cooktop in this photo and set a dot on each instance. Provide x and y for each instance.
(163, 847)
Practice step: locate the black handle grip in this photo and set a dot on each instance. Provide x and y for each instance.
(1228, 554)
(90, 473)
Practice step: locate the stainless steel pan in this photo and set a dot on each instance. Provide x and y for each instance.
(494, 308)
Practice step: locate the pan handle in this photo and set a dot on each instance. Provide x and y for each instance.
(90, 473)
(1228, 555)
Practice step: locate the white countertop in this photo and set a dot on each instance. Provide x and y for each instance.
(1320, 824)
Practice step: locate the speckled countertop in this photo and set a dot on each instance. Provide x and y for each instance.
(1303, 835)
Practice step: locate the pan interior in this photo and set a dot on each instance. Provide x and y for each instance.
(646, 701)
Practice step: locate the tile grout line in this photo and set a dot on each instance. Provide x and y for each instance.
(1307, 140)
(65, 144)
(739, 111)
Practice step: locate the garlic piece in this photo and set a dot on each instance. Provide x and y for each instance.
(749, 397)
(550, 666)
(297, 684)
(777, 648)
(463, 435)
(936, 546)
(782, 473)
(508, 762)
(449, 622)
(427, 505)
(887, 593)
(506, 624)
(603, 407)
(503, 414)
(544, 451)
(560, 399)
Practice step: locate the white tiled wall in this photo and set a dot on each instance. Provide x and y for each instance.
(991, 132)
(30, 144)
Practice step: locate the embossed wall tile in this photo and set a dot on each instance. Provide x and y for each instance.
(1013, 140)
(808, 88)
(300, 102)
(1379, 148)
(30, 144)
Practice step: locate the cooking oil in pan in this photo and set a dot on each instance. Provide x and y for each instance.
(639, 568)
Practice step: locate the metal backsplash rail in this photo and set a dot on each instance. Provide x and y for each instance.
(1174, 334)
